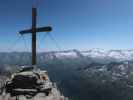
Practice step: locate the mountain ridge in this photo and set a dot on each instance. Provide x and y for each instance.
(120, 55)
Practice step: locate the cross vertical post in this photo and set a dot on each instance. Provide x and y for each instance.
(34, 15)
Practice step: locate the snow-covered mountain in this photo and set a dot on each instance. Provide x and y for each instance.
(94, 53)
(117, 54)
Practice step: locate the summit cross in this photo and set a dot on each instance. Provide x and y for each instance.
(34, 29)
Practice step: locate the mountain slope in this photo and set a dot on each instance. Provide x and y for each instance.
(82, 75)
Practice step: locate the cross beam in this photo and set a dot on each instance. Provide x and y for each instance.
(40, 29)
(33, 31)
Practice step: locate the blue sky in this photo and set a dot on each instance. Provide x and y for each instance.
(77, 24)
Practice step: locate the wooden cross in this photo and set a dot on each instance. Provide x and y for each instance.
(33, 31)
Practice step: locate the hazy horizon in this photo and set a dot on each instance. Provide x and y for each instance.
(99, 49)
